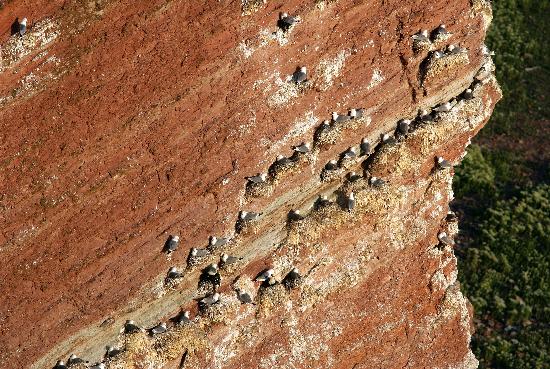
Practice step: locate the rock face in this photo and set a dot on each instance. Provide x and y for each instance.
(124, 122)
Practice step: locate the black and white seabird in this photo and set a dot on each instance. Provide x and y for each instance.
(60, 365)
(172, 244)
(295, 215)
(74, 360)
(323, 200)
(211, 275)
(387, 139)
(98, 366)
(468, 94)
(209, 301)
(452, 49)
(283, 160)
(425, 116)
(196, 255)
(300, 76)
(161, 328)
(352, 176)
(451, 216)
(331, 165)
(365, 146)
(264, 275)
(442, 163)
(350, 202)
(445, 107)
(444, 239)
(173, 273)
(356, 113)
(249, 216)
(350, 153)
(376, 182)
(216, 242)
(131, 327)
(244, 297)
(403, 126)
(421, 36)
(22, 27)
(184, 318)
(286, 21)
(303, 148)
(438, 54)
(441, 33)
(337, 118)
(258, 178)
(292, 279)
(228, 260)
(111, 351)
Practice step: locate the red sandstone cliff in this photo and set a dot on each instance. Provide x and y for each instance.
(123, 122)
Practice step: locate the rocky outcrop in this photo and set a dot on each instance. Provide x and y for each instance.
(125, 122)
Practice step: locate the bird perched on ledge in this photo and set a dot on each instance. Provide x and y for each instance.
(161, 328)
(171, 244)
(303, 148)
(292, 279)
(337, 118)
(300, 76)
(244, 297)
(74, 360)
(259, 178)
(184, 318)
(209, 301)
(173, 273)
(444, 239)
(286, 21)
(295, 215)
(264, 275)
(60, 365)
(442, 163)
(350, 202)
(216, 243)
(131, 327)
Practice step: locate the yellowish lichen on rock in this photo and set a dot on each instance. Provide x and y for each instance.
(180, 338)
(435, 67)
(223, 311)
(251, 6)
(271, 298)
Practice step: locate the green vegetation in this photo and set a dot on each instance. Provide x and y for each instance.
(503, 192)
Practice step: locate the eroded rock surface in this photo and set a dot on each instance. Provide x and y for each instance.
(124, 122)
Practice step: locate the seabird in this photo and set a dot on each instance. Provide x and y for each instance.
(331, 165)
(352, 176)
(365, 146)
(441, 32)
(60, 365)
(228, 260)
(451, 216)
(248, 216)
(452, 49)
(244, 297)
(173, 273)
(376, 182)
(216, 242)
(350, 203)
(209, 301)
(403, 126)
(438, 54)
(184, 318)
(282, 160)
(131, 327)
(339, 118)
(295, 215)
(259, 178)
(445, 107)
(112, 352)
(421, 36)
(172, 244)
(323, 200)
(442, 163)
(161, 328)
(302, 148)
(468, 94)
(300, 75)
(264, 275)
(98, 366)
(387, 139)
(322, 128)
(444, 239)
(211, 269)
(292, 279)
(425, 116)
(195, 255)
(23, 27)
(350, 153)
(356, 113)
(73, 360)
(286, 21)
(271, 281)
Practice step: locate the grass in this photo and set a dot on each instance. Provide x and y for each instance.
(503, 192)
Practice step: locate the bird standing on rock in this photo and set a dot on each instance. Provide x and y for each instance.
(244, 297)
(23, 27)
(173, 273)
(303, 148)
(228, 260)
(161, 328)
(295, 215)
(216, 243)
(172, 244)
(259, 178)
(248, 216)
(445, 107)
(300, 76)
(131, 327)
(292, 279)
(337, 118)
(403, 126)
(112, 351)
(441, 33)
(350, 203)
(444, 239)
(286, 21)
(184, 318)
(421, 36)
(74, 360)
(209, 301)
(264, 275)
(60, 365)
(442, 163)
(365, 146)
